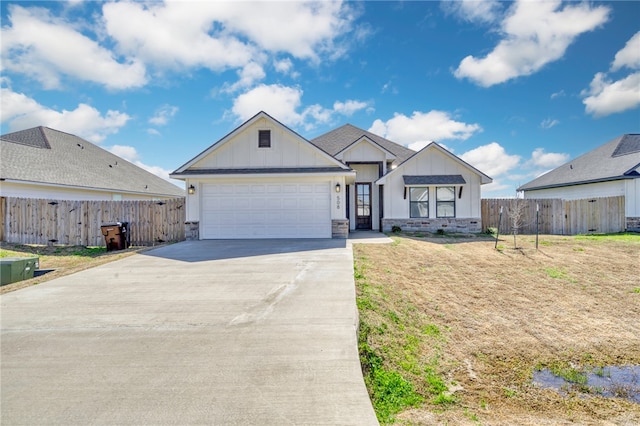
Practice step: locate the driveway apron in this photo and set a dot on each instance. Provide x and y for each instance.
(199, 332)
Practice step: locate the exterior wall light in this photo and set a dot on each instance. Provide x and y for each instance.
(338, 187)
(191, 190)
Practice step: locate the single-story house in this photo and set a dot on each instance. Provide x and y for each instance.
(263, 180)
(45, 163)
(612, 169)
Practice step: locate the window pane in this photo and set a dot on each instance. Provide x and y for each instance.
(419, 194)
(446, 193)
(419, 209)
(445, 209)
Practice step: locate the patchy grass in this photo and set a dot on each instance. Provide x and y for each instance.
(61, 260)
(459, 327)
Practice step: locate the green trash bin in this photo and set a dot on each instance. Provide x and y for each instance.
(14, 269)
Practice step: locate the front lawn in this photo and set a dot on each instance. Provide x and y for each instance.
(452, 330)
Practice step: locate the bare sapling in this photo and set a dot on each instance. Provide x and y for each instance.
(517, 216)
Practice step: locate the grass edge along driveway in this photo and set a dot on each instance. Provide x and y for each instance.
(452, 329)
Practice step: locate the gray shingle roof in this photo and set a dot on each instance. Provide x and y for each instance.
(49, 156)
(434, 180)
(336, 140)
(617, 159)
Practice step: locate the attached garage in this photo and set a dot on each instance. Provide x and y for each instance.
(263, 180)
(265, 210)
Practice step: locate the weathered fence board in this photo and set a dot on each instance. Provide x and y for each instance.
(68, 222)
(555, 216)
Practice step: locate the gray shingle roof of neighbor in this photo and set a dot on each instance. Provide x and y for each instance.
(616, 159)
(338, 139)
(434, 180)
(49, 156)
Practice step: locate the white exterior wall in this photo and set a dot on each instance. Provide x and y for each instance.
(52, 192)
(632, 200)
(241, 151)
(629, 188)
(364, 151)
(433, 163)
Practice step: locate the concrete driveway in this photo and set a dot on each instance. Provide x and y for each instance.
(202, 332)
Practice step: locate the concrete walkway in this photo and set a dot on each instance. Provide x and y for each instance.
(204, 332)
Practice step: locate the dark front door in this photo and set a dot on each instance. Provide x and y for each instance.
(363, 206)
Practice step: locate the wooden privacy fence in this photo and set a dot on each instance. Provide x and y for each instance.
(38, 221)
(556, 216)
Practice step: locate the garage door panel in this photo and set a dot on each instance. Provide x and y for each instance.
(272, 210)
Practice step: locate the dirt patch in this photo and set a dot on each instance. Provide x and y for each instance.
(61, 260)
(501, 314)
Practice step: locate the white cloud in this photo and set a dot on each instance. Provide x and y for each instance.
(548, 160)
(43, 47)
(534, 34)
(163, 115)
(284, 103)
(606, 96)
(423, 127)
(491, 159)
(548, 123)
(218, 35)
(153, 132)
(349, 107)
(629, 55)
(129, 153)
(251, 73)
(22, 112)
(473, 10)
(558, 94)
(283, 66)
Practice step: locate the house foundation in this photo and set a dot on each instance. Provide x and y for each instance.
(470, 225)
(192, 231)
(339, 228)
(633, 224)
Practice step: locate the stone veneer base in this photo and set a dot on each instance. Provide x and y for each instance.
(633, 224)
(192, 231)
(471, 225)
(340, 228)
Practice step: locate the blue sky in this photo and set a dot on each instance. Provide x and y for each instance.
(514, 88)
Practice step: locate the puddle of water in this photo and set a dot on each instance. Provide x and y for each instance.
(612, 382)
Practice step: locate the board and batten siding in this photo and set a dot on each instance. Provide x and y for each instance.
(436, 163)
(241, 151)
(364, 151)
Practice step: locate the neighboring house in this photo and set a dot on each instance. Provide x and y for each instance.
(46, 163)
(263, 180)
(612, 169)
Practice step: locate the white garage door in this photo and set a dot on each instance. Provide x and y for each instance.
(266, 210)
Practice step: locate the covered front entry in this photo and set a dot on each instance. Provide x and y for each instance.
(265, 210)
(363, 206)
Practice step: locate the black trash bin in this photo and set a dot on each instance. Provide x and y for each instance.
(116, 235)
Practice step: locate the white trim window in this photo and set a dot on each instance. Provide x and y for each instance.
(446, 201)
(419, 201)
